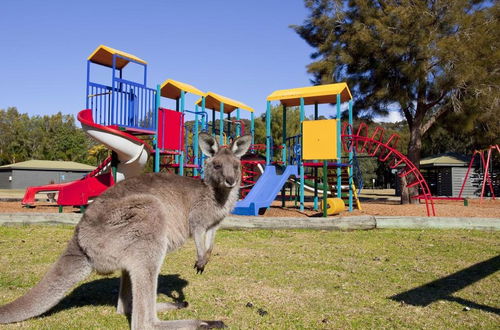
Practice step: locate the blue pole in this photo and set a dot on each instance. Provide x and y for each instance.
(301, 168)
(195, 141)
(339, 150)
(88, 81)
(181, 160)
(221, 124)
(112, 91)
(268, 133)
(157, 125)
(351, 158)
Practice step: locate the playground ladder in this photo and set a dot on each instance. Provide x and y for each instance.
(345, 191)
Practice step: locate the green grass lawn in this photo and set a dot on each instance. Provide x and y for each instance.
(296, 279)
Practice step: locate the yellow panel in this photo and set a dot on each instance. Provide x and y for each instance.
(172, 89)
(312, 94)
(213, 101)
(104, 55)
(319, 139)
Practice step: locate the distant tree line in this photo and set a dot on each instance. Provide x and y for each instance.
(48, 137)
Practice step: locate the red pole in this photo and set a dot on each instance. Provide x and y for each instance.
(467, 174)
(488, 177)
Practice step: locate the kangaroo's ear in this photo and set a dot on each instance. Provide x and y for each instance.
(208, 144)
(240, 146)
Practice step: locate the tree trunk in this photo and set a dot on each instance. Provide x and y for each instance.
(414, 148)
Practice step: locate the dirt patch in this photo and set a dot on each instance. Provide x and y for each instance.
(475, 209)
(41, 207)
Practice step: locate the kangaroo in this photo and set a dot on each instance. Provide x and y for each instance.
(132, 226)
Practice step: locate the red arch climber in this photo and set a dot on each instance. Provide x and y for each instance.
(375, 146)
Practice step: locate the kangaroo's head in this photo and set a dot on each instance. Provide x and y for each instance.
(223, 165)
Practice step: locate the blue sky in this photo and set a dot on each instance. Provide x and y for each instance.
(241, 49)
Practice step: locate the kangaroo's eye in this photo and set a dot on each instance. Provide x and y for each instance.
(217, 166)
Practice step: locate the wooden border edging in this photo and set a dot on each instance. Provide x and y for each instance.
(338, 223)
(386, 222)
(39, 218)
(365, 222)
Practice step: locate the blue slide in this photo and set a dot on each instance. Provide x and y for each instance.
(265, 190)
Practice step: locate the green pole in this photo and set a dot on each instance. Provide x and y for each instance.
(268, 133)
(157, 125)
(238, 126)
(315, 168)
(176, 157)
(203, 125)
(351, 159)
(195, 141)
(325, 187)
(301, 167)
(252, 127)
(221, 124)
(181, 158)
(339, 150)
(213, 122)
(283, 144)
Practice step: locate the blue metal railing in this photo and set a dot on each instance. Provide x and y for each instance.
(129, 104)
(294, 149)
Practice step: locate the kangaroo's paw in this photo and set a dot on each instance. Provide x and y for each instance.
(200, 266)
(212, 325)
(166, 306)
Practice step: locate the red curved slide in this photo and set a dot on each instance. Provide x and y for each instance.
(132, 155)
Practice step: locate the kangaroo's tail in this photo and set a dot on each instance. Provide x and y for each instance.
(71, 268)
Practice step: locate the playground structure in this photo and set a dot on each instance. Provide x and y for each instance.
(319, 142)
(485, 165)
(127, 115)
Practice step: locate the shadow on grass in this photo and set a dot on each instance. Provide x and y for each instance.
(104, 292)
(443, 288)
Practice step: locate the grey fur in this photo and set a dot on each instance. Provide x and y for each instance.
(132, 226)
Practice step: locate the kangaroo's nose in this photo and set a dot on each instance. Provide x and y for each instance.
(230, 181)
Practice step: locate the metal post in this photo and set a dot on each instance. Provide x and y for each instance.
(195, 141)
(112, 91)
(228, 134)
(221, 124)
(268, 133)
(157, 128)
(181, 158)
(283, 152)
(339, 150)
(325, 188)
(351, 158)
(315, 206)
(252, 127)
(88, 81)
(301, 168)
(204, 125)
(238, 126)
(213, 122)
(283, 143)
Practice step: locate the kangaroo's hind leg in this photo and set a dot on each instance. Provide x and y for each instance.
(144, 283)
(125, 295)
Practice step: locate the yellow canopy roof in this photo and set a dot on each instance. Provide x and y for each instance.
(172, 89)
(312, 94)
(213, 101)
(104, 55)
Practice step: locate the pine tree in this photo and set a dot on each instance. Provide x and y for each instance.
(420, 58)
